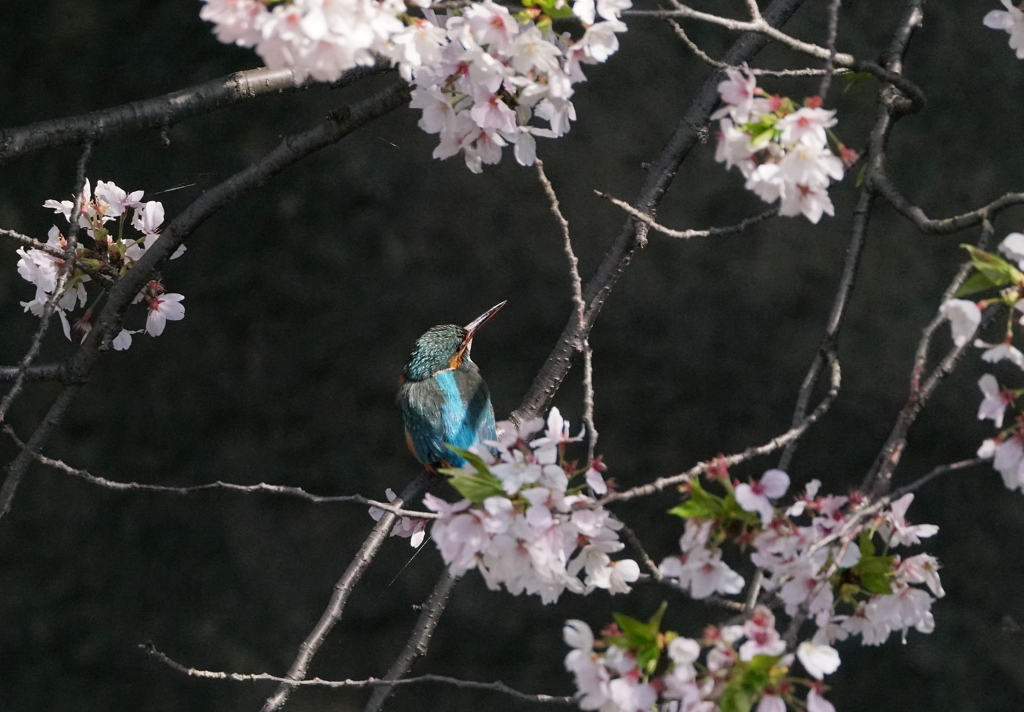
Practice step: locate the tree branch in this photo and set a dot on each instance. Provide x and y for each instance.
(731, 460)
(355, 684)
(687, 234)
(884, 187)
(163, 111)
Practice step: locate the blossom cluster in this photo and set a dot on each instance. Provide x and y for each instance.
(1004, 272)
(635, 667)
(524, 524)
(481, 75)
(1010, 21)
(783, 151)
(822, 556)
(106, 249)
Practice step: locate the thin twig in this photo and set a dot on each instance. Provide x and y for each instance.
(730, 460)
(913, 93)
(944, 226)
(583, 343)
(261, 487)
(704, 57)
(687, 234)
(353, 684)
(418, 641)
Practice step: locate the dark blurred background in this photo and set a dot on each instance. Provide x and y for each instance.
(303, 298)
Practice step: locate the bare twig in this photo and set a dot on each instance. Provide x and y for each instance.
(731, 460)
(417, 644)
(704, 57)
(46, 372)
(687, 234)
(913, 93)
(583, 343)
(945, 226)
(353, 684)
(259, 488)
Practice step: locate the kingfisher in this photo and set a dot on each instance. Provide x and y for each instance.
(443, 398)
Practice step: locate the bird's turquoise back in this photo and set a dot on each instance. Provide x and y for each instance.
(451, 407)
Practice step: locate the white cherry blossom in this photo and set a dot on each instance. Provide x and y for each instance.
(964, 318)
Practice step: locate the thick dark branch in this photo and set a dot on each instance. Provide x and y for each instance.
(945, 226)
(339, 598)
(355, 684)
(160, 112)
(634, 233)
(417, 644)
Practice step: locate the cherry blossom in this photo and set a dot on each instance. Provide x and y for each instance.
(1013, 247)
(995, 402)
(755, 496)
(818, 660)
(964, 318)
(525, 531)
(781, 150)
(164, 308)
(411, 528)
(998, 352)
(1011, 21)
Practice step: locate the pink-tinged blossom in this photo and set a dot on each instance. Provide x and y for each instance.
(739, 94)
(703, 572)
(811, 202)
(411, 528)
(898, 531)
(492, 25)
(923, 568)
(993, 406)
(771, 703)
(817, 703)
(818, 660)
(123, 341)
(810, 492)
(754, 497)
(1008, 460)
(1013, 247)
(607, 9)
(115, 199)
(148, 219)
(761, 636)
(964, 318)
(1011, 21)
(807, 126)
(164, 308)
(998, 352)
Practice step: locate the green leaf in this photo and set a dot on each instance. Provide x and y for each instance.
(691, 509)
(977, 282)
(999, 271)
(551, 8)
(876, 583)
(647, 658)
(744, 690)
(654, 622)
(867, 547)
(855, 79)
(700, 505)
(764, 663)
(637, 633)
(475, 487)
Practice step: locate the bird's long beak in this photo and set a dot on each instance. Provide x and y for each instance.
(472, 326)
